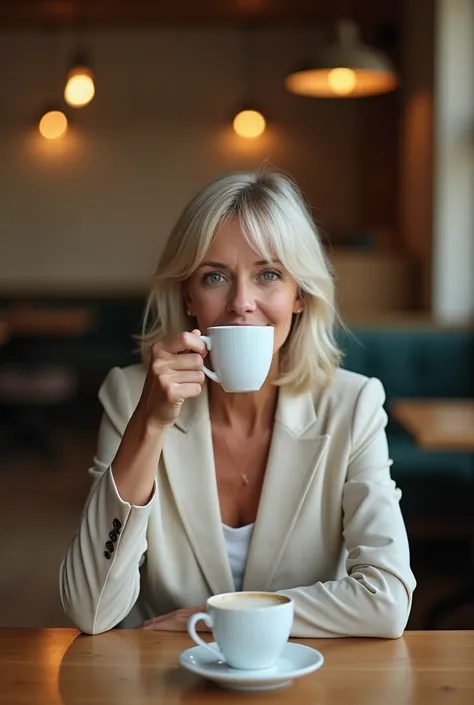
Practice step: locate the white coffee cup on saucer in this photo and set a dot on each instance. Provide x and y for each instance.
(241, 356)
(250, 628)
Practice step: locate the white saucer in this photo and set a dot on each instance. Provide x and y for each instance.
(296, 661)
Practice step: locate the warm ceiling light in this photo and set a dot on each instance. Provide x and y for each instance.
(80, 87)
(53, 124)
(346, 68)
(342, 81)
(249, 124)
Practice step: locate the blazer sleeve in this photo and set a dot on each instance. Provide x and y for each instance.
(99, 577)
(374, 599)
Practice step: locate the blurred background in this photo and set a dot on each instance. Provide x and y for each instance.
(113, 116)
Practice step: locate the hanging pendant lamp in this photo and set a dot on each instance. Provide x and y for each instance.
(80, 88)
(53, 123)
(248, 121)
(347, 68)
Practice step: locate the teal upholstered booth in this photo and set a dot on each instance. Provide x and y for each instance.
(424, 362)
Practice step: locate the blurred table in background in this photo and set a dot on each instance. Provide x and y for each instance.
(30, 320)
(438, 424)
(34, 381)
(442, 425)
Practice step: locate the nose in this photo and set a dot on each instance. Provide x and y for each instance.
(241, 299)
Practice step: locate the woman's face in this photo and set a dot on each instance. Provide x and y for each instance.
(234, 286)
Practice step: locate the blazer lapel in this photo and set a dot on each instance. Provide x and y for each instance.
(295, 454)
(189, 462)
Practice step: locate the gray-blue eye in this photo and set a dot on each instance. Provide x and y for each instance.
(270, 275)
(212, 278)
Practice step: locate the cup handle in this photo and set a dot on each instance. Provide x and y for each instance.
(212, 375)
(192, 621)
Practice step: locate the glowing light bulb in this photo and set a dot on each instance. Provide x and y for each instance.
(342, 81)
(249, 124)
(53, 124)
(80, 87)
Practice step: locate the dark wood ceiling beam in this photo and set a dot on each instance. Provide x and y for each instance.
(181, 13)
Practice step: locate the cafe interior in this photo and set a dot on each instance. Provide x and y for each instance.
(115, 114)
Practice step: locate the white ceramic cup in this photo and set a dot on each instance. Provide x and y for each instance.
(241, 356)
(250, 628)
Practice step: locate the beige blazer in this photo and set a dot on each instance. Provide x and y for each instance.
(328, 532)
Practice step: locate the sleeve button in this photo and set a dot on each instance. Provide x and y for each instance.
(107, 555)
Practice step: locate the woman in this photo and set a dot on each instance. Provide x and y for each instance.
(197, 491)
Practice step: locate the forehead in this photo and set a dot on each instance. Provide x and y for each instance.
(230, 241)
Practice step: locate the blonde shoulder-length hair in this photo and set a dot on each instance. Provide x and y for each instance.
(275, 220)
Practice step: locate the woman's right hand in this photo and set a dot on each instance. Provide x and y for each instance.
(174, 375)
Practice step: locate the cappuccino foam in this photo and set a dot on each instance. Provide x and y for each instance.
(249, 602)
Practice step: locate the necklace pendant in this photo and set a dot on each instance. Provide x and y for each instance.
(245, 479)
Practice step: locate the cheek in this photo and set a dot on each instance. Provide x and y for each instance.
(280, 307)
(210, 300)
(199, 296)
(208, 307)
(280, 312)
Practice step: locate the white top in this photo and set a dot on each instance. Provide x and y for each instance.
(237, 542)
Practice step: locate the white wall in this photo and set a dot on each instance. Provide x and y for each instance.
(92, 211)
(453, 265)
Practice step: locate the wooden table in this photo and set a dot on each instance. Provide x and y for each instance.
(438, 424)
(58, 666)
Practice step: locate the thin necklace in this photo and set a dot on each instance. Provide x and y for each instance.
(243, 475)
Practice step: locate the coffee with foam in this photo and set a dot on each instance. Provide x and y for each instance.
(247, 601)
(250, 628)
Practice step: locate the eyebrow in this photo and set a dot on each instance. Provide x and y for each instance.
(221, 265)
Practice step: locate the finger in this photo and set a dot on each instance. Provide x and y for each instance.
(186, 361)
(185, 341)
(151, 627)
(172, 626)
(152, 624)
(197, 332)
(166, 624)
(166, 627)
(182, 614)
(154, 620)
(171, 363)
(177, 392)
(188, 377)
